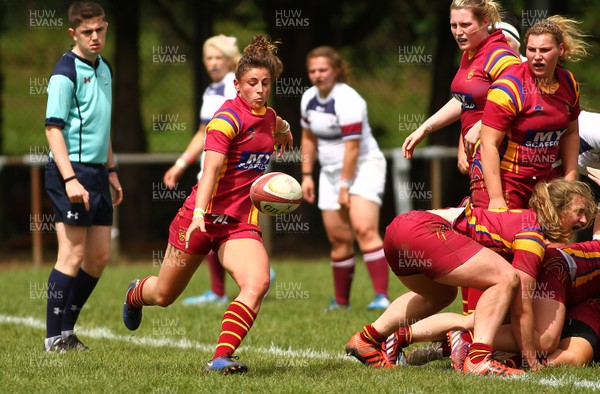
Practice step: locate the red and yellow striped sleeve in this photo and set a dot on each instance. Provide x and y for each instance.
(227, 122)
(499, 60)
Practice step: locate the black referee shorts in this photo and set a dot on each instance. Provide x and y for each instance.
(94, 177)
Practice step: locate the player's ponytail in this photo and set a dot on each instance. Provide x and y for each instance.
(564, 31)
(261, 53)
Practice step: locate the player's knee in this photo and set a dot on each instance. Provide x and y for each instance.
(364, 231)
(548, 343)
(164, 298)
(256, 289)
(510, 277)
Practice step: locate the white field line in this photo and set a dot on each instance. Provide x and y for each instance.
(105, 333)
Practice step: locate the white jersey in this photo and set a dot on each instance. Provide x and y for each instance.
(339, 117)
(215, 95)
(589, 140)
(213, 98)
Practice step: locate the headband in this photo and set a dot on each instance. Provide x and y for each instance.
(510, 29)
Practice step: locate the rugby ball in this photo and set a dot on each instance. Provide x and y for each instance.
(276, 194)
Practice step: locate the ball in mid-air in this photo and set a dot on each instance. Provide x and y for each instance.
(276, 194)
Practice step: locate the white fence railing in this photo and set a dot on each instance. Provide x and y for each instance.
(400, 177)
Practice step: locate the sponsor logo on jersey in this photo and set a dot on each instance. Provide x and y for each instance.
(542, 138)
(466, 99)
(257, 161)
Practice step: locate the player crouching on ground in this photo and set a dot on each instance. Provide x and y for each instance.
(453, 248)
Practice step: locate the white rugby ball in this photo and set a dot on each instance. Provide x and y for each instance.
(276, 193)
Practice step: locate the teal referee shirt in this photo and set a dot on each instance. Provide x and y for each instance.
(79, 103)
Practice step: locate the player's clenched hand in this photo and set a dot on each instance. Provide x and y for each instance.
(113, 180)
(77, 193)
(308, 189)
(344, 198)
(471, 138)
(197, 224)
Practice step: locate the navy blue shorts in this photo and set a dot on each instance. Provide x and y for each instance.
(94, 177)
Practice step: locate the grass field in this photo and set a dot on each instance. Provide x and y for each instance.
(294, 346)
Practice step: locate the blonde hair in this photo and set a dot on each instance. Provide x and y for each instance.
(565, 32)
(261, 53)
(227, 46)
(550, 199)
(481, 9)
(335, 61)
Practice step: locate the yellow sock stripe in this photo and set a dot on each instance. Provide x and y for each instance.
(227, 344)
(238, 323)
(239, 317)
(368, 335)
(245, 308)
(230, 333)
(476, 353)
(409, 335)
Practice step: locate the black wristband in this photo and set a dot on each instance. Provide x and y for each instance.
(307, 174)
(113, 169)
(70, 178)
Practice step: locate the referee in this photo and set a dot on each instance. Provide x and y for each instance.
(80, 172)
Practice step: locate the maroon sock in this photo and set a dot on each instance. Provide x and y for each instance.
(478, 352)
(378, 270)
(464, 292)
(446, 349)
(467, 335)
(134, 298)
(514, 361)
(404, 336)
(371, 335)
(343, 273)
(217, 274)
(237, 321)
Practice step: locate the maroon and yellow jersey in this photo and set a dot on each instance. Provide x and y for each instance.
(533, 117)
(245, 137)
(514, 231)
(477, 70)
(577, 267)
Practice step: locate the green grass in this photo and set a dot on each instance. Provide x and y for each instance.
(122, 361)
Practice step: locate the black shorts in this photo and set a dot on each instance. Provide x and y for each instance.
(577, 328)
(94, 177)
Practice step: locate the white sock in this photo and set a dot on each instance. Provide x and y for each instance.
(49, 341)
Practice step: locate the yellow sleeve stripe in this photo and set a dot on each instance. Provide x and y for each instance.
(508, 93)
(573, 84)
(530, 245)
(223, 126)
(498, 61)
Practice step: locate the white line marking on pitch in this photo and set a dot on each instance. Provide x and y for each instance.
(105, 333)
